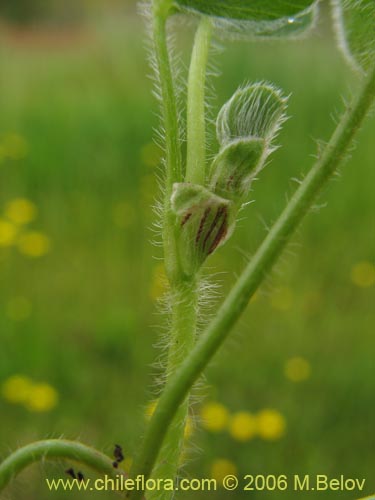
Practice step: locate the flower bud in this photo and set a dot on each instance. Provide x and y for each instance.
(205, 221)
(234, 166)
(246, 126)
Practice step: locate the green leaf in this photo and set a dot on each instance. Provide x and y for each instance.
(355, 29)
(285, 27)
(256, 10)
(205, 221)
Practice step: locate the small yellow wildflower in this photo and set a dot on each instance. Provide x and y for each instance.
(271, 425)
(363, 274)
(18, 308)
(123, 214)
(214, 416)
(8, 233)
(15, 146)
(243, 426)
(282, 299)
(221, 468)
(297, 369)
(151, 154)
(20, 211)
(158, 282)
(16, 389)
(34, 244)
(42, 397)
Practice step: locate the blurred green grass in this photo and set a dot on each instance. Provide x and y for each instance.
(86, 113)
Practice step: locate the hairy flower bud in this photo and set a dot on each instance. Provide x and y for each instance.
(205, 221)
(246, 126)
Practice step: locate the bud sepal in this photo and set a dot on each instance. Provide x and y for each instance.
(205, 221)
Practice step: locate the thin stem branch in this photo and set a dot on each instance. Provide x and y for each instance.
(172, 133)
(169, 106)
(196, 121)
(268, 252)
(53, 449)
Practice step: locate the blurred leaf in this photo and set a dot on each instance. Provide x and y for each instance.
(256, 10)
(280, 21)
(355, 28)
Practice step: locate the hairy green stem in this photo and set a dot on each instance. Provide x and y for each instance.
(196, 121)
(262, 262)
(184, 293)
(182, 340)
(54, 449)
(171, 128)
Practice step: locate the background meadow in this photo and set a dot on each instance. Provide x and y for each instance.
(292, 391)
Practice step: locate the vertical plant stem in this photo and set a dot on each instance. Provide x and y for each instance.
(171, 128)
(184, 292)
(196, 122)
(253, 275)
(182, 340)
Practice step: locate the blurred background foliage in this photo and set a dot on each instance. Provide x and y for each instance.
(292, 391)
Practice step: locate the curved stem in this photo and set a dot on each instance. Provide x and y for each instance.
(196, 122)
(53, 449)
(235, 303)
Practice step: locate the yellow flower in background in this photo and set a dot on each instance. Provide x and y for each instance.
(151, 154)
(214, 416)
(38, 397)
(42, 397)
(20, 211)
(363, 274)
(221, 468)
(271, 425)
(282, 299)
(123, 214)
(8, 233)
(18, 308)
(158, 282)
(297, 369)
(16, 389)
(14, 146)
(189, 426)
(34, 244)
(243, 426)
